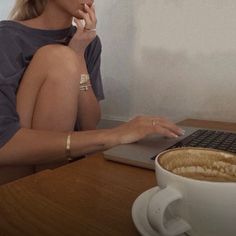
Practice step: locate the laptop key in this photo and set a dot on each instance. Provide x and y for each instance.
(209, 139)
(220, 140)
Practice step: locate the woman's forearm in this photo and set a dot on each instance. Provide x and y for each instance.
(89, 112)
(32, 147)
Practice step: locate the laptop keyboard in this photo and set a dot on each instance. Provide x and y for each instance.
(209, 139)
(220, 140)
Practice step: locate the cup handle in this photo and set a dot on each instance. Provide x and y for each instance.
(156, 210)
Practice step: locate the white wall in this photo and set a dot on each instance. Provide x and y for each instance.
(175, 58)
(5, 6)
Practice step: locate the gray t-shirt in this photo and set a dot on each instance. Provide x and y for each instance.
(18, 43)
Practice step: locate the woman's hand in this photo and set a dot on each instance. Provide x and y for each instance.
(85, 33)
(142, 126)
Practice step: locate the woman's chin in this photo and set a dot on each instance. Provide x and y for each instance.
(78, 16)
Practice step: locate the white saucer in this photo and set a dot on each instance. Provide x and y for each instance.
(139, 213)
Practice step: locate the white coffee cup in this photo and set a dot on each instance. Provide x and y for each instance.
(204, 207)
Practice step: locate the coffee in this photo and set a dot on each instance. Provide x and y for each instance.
(201, 164)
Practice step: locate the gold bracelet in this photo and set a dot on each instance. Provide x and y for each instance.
(85, 87)
(84, 79)
(84, 82)
(68, 147)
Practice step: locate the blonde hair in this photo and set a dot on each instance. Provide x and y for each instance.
(27, 9)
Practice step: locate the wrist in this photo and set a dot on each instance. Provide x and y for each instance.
(113, 137)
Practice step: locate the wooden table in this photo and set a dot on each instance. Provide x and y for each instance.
(88, 197)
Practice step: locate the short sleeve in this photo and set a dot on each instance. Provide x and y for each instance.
(9, 119)
(9, 79)
(93, 61)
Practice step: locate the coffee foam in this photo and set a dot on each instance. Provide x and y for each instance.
(202, 164)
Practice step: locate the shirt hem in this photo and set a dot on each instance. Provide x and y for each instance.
(9, 134)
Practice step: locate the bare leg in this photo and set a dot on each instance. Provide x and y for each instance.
(47, 98)
(48, 95)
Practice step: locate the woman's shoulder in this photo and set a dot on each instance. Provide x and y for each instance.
(8, 31)
(8, 40)
(5, 27)
(9, 25)
(15, 28)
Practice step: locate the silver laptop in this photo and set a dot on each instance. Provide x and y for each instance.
(143, 153)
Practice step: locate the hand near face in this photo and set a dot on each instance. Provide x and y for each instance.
(85, 32)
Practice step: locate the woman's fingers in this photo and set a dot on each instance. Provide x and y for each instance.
(143, 126)
(86, 29)
(79, 24)
(86, 17)
(159, 125)
(166, 132)
(89, 17)
(91, 12)
(166, 124)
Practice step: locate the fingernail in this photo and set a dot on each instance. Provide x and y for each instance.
(174, 135)
(182, 132)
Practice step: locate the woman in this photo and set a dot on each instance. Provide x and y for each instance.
(50, 86)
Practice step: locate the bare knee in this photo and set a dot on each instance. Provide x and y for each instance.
(59, 59)
(55, 50)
